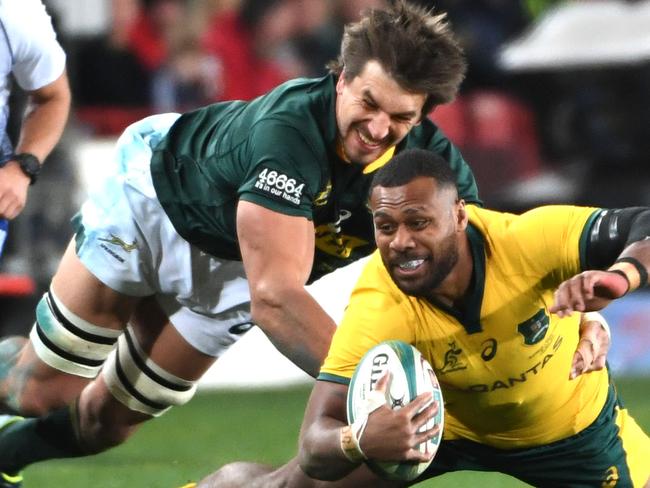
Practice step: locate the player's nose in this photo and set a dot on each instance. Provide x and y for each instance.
(379, 126)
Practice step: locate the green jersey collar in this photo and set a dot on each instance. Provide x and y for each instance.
(469, 313)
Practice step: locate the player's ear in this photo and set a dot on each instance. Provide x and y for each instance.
(340, 83)
(461, 214)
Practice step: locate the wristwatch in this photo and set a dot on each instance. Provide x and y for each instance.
(30, 165)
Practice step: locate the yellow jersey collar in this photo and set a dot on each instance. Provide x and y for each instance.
(375, 165)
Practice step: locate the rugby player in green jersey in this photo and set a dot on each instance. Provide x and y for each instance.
(450, 278)
(213, 220)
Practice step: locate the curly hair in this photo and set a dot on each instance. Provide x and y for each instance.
(411, 164)
(412, 44)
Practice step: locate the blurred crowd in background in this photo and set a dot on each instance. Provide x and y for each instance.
(531, 136)
(156, 56)
(162, 55)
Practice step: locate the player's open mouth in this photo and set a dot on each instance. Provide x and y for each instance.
(367, 142)
(410, 265)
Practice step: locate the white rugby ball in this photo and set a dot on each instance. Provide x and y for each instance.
(411, 375)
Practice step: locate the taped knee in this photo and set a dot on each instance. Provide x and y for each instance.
(67, 342)
(139, 383)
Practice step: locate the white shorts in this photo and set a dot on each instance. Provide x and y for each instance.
(125, 239)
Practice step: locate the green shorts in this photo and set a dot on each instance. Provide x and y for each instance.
(612, 452)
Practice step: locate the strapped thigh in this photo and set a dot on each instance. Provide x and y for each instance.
(67, 342)
(139, 383)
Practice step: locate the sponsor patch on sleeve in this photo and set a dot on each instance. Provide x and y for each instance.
(279, 186)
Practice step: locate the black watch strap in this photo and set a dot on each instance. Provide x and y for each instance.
(30, 165)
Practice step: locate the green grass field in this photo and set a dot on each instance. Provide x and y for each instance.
(216, 428)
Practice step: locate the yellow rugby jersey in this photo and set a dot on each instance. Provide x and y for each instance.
(503, 361)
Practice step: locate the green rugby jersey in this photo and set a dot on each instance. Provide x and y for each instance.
(277, 151)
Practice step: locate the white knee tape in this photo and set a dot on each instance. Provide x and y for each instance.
(67, 342)
(139, 383)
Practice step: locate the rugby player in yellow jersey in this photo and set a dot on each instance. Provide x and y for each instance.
(488, 298)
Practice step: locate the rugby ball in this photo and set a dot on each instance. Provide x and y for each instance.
(411, 375)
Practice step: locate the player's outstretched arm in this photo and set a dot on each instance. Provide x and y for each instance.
(625, 253)
(589, 291)
(330, 448)
(277, 251)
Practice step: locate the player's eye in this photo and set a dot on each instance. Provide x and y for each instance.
(403, 119)
(369, 104)
(384, 228)
(419, 224)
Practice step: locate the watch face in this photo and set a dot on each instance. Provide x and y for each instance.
(30, 165)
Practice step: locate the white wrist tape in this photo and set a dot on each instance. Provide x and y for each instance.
(350, 443)
(597, 317)
(350, 435)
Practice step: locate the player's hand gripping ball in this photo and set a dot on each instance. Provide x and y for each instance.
(411, 375)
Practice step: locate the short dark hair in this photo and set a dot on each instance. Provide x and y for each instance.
(414, 46)
(411, 164)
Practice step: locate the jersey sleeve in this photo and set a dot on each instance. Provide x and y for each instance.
(38, 58)
(376, 312)
(284, 173)
(553, 239)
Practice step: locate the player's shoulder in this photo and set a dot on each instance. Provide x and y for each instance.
(37, 57)
(494, 220)
(303, 104)
(553, 218)
(11, 9)
(532, 228)
(559, 211)
(485, 219)
(296, 99)
(20, 16)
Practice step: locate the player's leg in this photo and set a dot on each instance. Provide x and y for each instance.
(77, 323)
(254, 475)
(79, 319)
(151, 369)
(155, 364)
(10, 350)
(635, 446)
(612, 451)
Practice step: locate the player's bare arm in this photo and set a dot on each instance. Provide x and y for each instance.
(277, 251)
(595, 289)
(616, 255)
(46, 117)
(389, 435)
(42, 127)
(320, 454)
